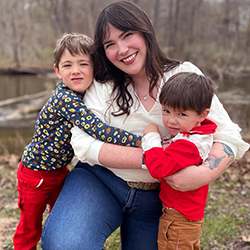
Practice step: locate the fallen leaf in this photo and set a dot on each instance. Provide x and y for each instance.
(246, 238)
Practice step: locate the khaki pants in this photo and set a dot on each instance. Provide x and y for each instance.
(177, 232)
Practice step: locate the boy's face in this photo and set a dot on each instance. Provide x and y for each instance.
(76, 71)
(177, 121)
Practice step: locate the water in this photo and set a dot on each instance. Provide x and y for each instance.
(15, 136)
(233, 93)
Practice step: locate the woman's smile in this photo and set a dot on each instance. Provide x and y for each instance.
(130, 59)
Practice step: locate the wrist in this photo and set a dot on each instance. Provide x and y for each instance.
(151, 140)
(92, 155)
(143, 163)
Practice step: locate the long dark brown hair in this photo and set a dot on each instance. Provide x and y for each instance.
(127, 16)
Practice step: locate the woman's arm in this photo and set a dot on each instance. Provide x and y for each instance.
(193, 177)
(190, 178)
(92, 151)
(227, 132)
(122, 157)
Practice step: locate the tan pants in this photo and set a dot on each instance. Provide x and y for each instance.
(177, 232)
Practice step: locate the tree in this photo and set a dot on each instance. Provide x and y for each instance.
(14, 25)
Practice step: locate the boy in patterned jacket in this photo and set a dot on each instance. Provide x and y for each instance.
(43, 167)
(185, 100)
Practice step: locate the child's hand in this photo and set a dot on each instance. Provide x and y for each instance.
(151, 128)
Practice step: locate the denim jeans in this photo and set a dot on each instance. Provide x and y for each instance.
(94, 203)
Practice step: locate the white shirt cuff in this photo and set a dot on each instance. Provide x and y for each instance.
(86, 148)
(93, 153)
(151, 140)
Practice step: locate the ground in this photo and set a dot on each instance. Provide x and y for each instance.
(9, 213)
(227, 220)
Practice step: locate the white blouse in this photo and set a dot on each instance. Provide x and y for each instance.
(97, 98)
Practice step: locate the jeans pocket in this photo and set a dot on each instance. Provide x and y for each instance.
(28, 180)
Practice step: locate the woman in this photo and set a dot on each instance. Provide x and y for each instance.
(96, 200)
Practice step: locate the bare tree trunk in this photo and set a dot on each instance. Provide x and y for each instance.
(167, 36)
(174, 30)
(65, 16)
(191, 34)
(89, 5)
(58, 14)
(226, 22)
(156, 13)
(14, 39)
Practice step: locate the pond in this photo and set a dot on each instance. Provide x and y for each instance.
(14, 137)
(233, 93)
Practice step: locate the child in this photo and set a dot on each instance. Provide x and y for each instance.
(185, 100)
(44, 162)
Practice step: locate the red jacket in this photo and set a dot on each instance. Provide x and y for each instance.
(183, 151)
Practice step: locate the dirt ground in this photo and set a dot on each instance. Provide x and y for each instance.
(8, 199)
(7, 227)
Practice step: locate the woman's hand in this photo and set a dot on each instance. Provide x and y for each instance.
(151, 128)
(193, 177)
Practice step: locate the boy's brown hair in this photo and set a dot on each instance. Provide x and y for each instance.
(75, 43)
(188, 91)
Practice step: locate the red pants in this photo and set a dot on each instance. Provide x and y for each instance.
(36, 190)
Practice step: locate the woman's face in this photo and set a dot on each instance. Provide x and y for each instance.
(126, 50)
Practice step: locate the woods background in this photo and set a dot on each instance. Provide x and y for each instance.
(213, 34)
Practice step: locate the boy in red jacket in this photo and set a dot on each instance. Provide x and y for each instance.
(185, 99)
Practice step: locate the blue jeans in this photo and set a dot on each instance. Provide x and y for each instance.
(94, 203)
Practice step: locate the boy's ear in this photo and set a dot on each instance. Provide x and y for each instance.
(204, 114)
(57, 71)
